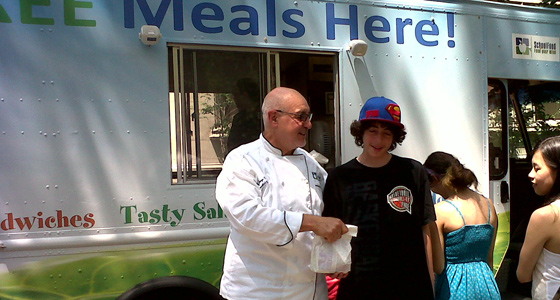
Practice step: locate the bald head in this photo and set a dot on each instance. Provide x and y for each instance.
(282, 128)
(279, 98)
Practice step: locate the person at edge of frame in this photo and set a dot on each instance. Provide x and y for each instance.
(539, 260)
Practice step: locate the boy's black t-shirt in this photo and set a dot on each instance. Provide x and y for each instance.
(389, 205)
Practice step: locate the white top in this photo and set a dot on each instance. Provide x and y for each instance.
(264, 195)
(546, 276)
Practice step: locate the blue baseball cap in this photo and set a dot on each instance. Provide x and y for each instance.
(381, 109)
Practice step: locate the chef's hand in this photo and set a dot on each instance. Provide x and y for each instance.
(329, 228)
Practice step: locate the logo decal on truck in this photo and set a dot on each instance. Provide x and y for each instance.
(535, 47)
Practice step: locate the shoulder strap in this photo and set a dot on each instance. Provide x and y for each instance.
(464, 223)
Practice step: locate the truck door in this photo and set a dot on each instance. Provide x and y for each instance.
(499, 173)
(532, 113)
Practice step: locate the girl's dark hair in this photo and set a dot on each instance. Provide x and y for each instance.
(358, 128)
(550, 149)
(453, 174)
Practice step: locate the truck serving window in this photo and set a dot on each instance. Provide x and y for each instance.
(535, 115)
(215, 98)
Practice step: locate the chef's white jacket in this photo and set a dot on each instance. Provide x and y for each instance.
(264, 195)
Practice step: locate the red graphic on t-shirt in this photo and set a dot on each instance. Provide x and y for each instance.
(400, 199)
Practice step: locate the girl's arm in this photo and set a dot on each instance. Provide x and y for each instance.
(428, 245)
(494, 222)
(438, 245)
(536, 237)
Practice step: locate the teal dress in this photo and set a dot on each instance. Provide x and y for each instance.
(467, 274)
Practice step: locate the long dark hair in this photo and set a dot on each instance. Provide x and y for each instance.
(550, 150)
(453, 174)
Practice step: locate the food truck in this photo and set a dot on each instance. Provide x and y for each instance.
(116, 117)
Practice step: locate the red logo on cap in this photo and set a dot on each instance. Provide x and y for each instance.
(372, 114)
(395, 111)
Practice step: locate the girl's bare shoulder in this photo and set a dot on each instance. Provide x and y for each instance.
(547, 214)
(443, 206)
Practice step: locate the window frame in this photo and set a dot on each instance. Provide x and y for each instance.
(185, 159)
(500, 172)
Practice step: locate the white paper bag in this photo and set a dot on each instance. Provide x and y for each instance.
(333, 257)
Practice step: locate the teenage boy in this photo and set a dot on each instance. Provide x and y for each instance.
(388, 198)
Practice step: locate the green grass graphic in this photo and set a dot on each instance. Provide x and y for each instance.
(106, 275)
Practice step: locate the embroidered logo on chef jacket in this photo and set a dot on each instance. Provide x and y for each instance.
(261, 182)
(400, 199)
(316, 176)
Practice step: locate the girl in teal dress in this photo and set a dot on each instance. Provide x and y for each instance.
(466, 231)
